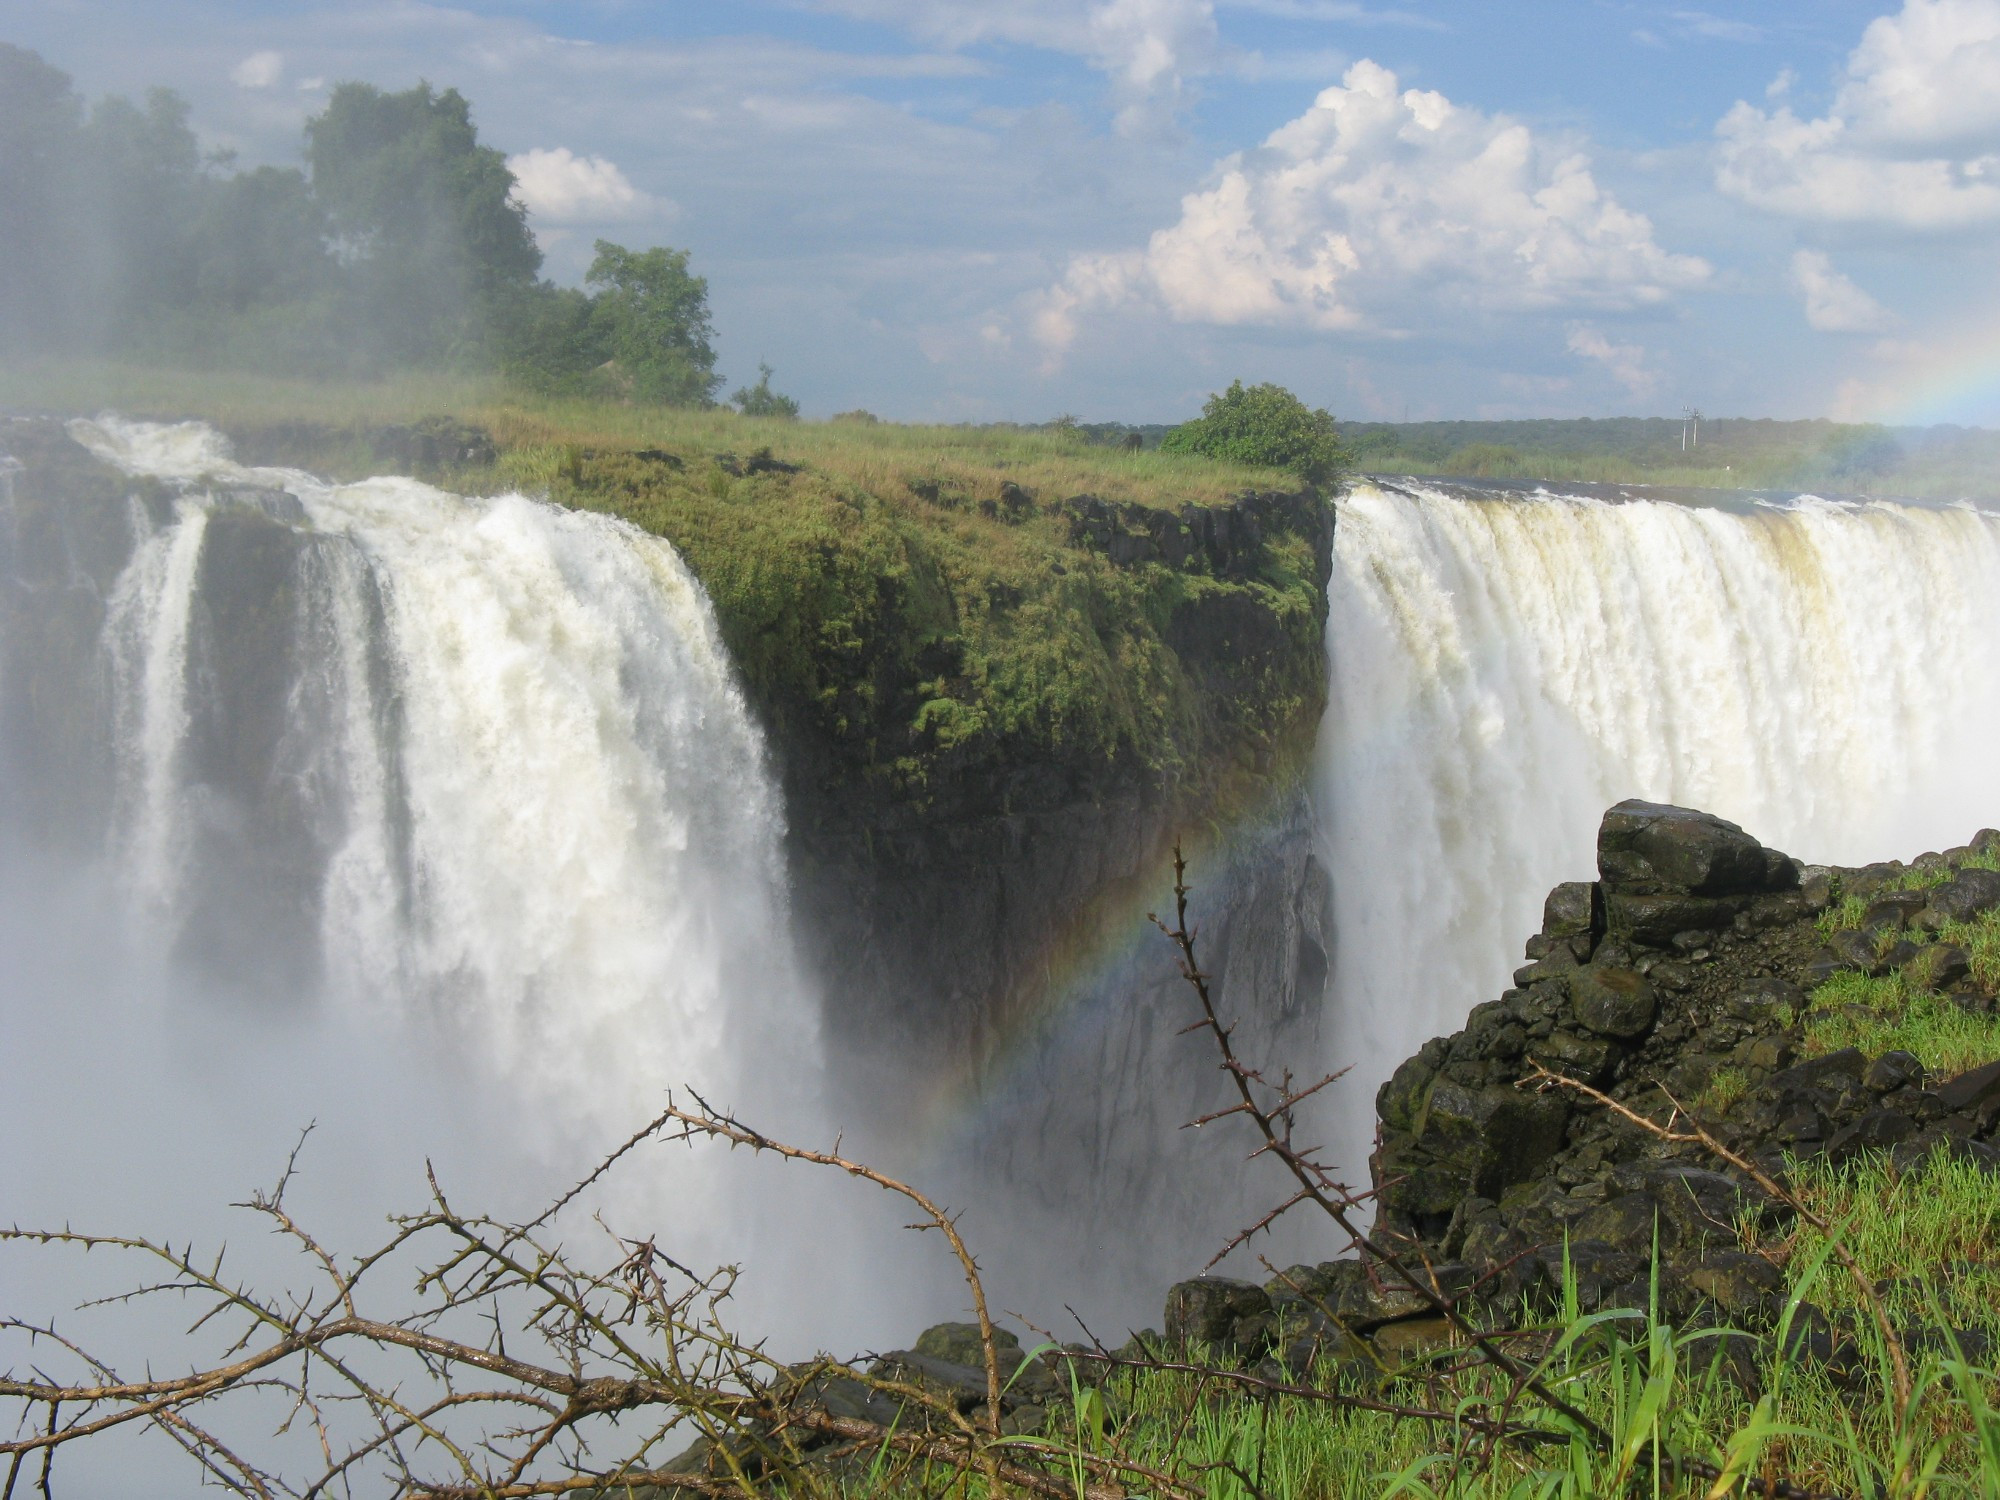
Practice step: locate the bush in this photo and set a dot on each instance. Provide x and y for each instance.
(1267, 426)
(760, 400)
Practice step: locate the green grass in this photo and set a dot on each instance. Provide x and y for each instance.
(1900, 1011)
(1934, 1238)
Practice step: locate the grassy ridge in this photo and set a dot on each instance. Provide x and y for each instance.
(914, 597)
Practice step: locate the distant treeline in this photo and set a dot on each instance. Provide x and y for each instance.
(1735, 451)
(400, 244)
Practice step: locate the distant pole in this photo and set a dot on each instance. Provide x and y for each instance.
(1690, 416)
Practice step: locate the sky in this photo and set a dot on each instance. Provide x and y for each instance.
(970, 210)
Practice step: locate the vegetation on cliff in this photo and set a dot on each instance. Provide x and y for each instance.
(937, 609)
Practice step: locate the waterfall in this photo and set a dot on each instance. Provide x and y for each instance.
(1826, 674)
(440, 820)
(537, 799)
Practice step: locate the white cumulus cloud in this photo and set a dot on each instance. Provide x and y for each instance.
(560, 187)
(1379, 207)
(1912, 137)
(1833, 303)
(260, 70)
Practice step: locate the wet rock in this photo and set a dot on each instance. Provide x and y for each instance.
(1212, 1310)
(1412, 1339)
(1491, 1138)
(1941, 966)
(1966, 895)
(1627, 1223)
(1572, 910)
(1380, 1296)
(1613, 1002)
(1741, 1285)
(1766, 1002)
(1647, 844)
(1877, 1131)
(1853, 949)
(1893, 1070)
(959, 1343)
(1968, 1091)
(1656, 919)
(1892, 911)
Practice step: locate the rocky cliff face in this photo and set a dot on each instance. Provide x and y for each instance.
(1679, 983)
(939, 922)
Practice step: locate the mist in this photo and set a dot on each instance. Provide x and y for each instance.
(437, 826)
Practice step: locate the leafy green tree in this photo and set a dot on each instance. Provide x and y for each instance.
(1265, 425)
(423, 215)
(760, 400)
(650, 315)
(262, 241)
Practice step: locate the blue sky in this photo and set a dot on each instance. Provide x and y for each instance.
(973, 209)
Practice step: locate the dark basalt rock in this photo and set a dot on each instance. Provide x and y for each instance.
(1689, 958)
(1612, 1001)
(1966, 895)
(1219, 1312)
(1645, 846)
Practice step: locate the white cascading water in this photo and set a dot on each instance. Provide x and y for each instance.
(591, 871)
(1826, 674)
(542, 881)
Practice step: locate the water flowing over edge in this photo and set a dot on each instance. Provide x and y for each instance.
(1501, 670)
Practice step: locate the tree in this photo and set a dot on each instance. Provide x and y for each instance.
(651, 316)
(423, 215)
(760, 400)
(1268, 427)
(41, 120)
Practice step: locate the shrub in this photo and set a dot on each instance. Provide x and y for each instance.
(1265, 425)
(760, 400)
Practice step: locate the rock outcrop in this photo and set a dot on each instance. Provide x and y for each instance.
(1677, 980)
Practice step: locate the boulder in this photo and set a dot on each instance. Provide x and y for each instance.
(1741, 1285)
(1650, 846)
(959, 1344)
(1892, 1071)
(1379, 1296)
(1656, 919)
(1572, 910)
(1892, 911)
(1627, 1223)
(1966, 895)
(1216, 1311)
(1878, 1130)
(1941, 966)
(1613, 1002)
(1969, 1091)
(1492, 1138)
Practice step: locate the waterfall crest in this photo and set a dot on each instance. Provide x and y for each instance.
(1825, 673)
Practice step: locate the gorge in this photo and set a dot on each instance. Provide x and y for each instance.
(472, 793)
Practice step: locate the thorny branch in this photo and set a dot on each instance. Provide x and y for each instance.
(1273, 1119)
(1699, 1135)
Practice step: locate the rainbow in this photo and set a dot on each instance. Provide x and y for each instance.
(1086, 969)
(1957, 381)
